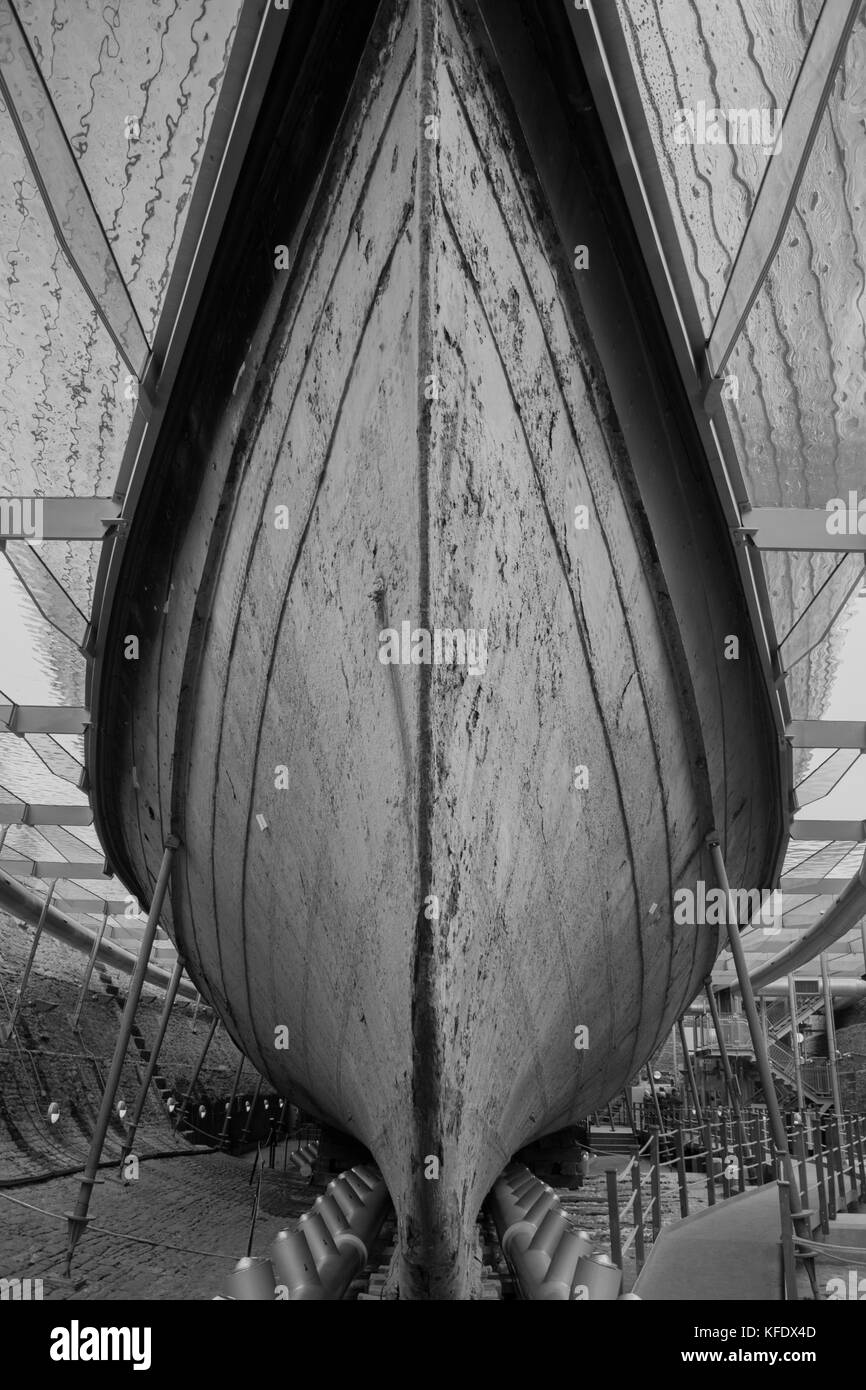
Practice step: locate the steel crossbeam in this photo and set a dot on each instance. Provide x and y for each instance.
(67, 200)
(832, 528)
(777, 194)
(44, 719)
(38, 519)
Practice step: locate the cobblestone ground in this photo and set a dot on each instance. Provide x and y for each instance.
(190, 1216)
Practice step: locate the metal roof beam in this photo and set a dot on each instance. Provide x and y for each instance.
(93, 906)
(793, 886)
(781, 182)
(44, 719)
(67, 200)
(804, 528)
(55, 868)
(599, 32)
(827, 733)
(26, 813)
(38, 519)
(853, 831)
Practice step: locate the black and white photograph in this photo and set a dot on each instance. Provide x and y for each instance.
(433, 669)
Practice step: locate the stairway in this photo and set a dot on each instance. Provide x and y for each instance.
(603, 1139)
(163, 1090)
(812, 1074)
(779, 1016)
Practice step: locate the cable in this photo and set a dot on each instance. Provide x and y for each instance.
(124, 1235)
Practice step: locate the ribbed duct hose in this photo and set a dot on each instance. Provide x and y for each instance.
(551, 1260)
(331, 1243)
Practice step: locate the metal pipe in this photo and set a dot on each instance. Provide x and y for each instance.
(21, 901)
(762, 1060)
(654, 1093)
(845, 913)
(25, 978)
(795, 1045)
(137, 1109)
(844, 985)
(730, 1085)
(690, 1075)
(831, 1036)
(77, 1221)
(91, 961)
(198, 1066)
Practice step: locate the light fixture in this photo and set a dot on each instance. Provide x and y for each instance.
(171, 1105)
(121, 1109)
(54, 1112)
(202, 1111)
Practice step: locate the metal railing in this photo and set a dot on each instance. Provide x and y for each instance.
(734, 1155)
(836, 1146)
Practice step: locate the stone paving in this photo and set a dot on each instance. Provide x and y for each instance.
(199, 1203)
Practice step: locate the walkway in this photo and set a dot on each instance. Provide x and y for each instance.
(731, 1251)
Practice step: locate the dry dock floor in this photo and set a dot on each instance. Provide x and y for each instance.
(175, 1233)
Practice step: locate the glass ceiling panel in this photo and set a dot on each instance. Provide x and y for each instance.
(799, 420)
(835, 689)
(135, 88)
(62, 421)
(700, 59)
(828, 774)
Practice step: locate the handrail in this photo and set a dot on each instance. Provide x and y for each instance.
(839, 1159)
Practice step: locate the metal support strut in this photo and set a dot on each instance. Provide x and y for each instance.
(198, 1066)
(830, 1024)
(91, 961)
(777, 1127)
(731, 1085)
(22, 988)
(795, 1045)
(77, 1220)
(690, 1075)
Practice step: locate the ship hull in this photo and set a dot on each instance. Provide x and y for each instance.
(430, 902)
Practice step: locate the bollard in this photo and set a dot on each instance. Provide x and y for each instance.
(711, 1164)
(789, 1264)
(800, 1154)
(852, 1158)
(682, 1182)
(613, 1214)
(861, 1158)
(723, 1139)
(823, 1208)
(637, 1212)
